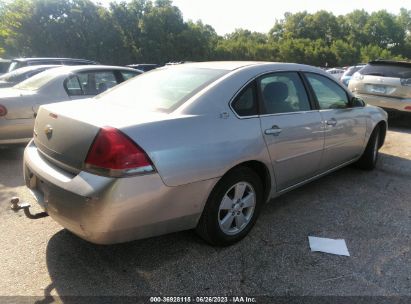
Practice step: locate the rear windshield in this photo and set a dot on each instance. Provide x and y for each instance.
(163, 89)
(386, 70)
(18, 75)
(36, 82)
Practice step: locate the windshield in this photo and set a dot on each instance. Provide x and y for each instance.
(163, 89)
(36, 82)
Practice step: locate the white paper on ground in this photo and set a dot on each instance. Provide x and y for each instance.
(328, 245)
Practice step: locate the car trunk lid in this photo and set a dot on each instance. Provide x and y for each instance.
(64, 132)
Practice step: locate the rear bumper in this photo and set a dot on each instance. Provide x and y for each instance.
(16, 131)
(387, 102)
(107, 210)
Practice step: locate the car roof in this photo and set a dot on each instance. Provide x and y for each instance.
(49, 58)
(78, 68)
(223, 65)
(391, 62)
(234, 65)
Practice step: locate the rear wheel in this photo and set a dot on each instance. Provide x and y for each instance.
(369, 158)
(232, 208)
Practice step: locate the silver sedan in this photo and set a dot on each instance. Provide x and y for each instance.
(19, 104)
(199, 145)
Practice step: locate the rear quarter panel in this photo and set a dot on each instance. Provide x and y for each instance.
(199, 147)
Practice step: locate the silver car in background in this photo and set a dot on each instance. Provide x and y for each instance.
(19, 104)
(199, 145)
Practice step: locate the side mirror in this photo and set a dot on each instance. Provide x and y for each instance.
(357, 102)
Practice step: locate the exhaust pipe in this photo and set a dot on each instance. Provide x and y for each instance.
(16, 206)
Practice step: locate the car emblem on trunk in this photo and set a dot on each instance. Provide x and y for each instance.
(48, 130)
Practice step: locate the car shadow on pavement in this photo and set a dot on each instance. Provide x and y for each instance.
(78, 267)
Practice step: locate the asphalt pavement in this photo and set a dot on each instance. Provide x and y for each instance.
(370, 210)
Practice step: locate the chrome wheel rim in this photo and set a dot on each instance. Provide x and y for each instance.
(236, 208)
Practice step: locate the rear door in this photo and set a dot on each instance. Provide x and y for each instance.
(344, 126)
(291, 127)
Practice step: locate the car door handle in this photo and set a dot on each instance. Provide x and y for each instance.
(331, 122)
(275, 131)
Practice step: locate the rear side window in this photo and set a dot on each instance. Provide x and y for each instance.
(283, 92)
(329, 94)
(245, 103)
(387, 70)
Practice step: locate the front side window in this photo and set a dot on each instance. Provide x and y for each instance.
(245, 103)
(283, 92)
(329, 94)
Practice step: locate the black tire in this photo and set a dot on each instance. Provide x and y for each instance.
(369, 158)
(209, 227)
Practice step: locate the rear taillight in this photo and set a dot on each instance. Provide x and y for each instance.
(3, 111)
(114, 154)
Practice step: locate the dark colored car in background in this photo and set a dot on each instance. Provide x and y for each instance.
(22, 62)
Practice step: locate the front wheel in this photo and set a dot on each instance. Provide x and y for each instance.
(232, 208)
(369, 158)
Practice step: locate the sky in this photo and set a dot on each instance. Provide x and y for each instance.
(260, 15)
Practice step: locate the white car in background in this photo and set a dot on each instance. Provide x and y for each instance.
(19, 104)
(336, 73)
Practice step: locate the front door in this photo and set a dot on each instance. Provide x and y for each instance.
(291, 129)
(344, 126)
